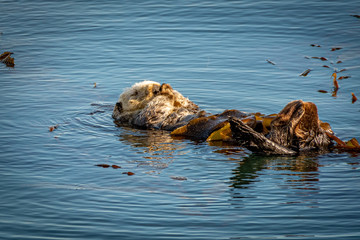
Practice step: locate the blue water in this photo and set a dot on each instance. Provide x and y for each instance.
(213, 52)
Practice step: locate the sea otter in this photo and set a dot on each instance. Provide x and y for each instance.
(151, 105)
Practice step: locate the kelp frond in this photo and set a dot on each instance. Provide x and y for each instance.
(6, 58)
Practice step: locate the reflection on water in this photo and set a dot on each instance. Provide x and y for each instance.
(301, 171)
(157, 146)
(297, 175)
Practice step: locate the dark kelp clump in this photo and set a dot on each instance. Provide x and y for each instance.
(6, 58)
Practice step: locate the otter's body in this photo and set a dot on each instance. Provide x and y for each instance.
(150, 105)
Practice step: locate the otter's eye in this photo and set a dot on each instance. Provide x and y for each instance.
(156, 89)
(134, 93)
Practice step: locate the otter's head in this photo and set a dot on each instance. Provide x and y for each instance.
(148, 102)
(134, 99)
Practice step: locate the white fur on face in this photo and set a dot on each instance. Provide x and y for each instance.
(148, 104)
(138, 95)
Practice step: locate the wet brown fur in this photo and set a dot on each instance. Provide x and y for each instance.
(297, 126)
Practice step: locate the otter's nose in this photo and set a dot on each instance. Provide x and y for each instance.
(119, 106)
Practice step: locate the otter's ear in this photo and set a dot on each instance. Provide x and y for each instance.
(165, 88)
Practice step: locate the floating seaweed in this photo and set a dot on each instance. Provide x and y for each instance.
(344, 77)
(6, 58)
(107, 166)
(357, 16)
(103, 165)
(4, 55)
(338, 141)
(129, 173)
(334, 92)
(336, 84)
(322, 91)
(305, 73)
(271, 62)
(52, 128)
(335, 49)
(326, 66)
(354, 98)
(349, 146)
(179, 178)
(352, 145)
(321, 58)
(315, 45)
(223, 134)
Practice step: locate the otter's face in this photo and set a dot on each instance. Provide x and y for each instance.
(136, 97)
(147, 104)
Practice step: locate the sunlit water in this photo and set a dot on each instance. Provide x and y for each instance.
(215, 53)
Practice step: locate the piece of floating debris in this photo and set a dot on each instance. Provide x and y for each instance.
(354, 98)
(336, 84)
(52, 128)
(179, 178)
(103, 165)
(95, 85)
(315, 45)
(5, 55)
(334, 93)
(6, 58)
(107, 166)
(344, 77)
(129, 173)
(357, 16)
(322, 91)
(321, 58)
(305, 73)
(335, 49)
(271, 62)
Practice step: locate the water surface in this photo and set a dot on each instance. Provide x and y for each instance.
(213, 52)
